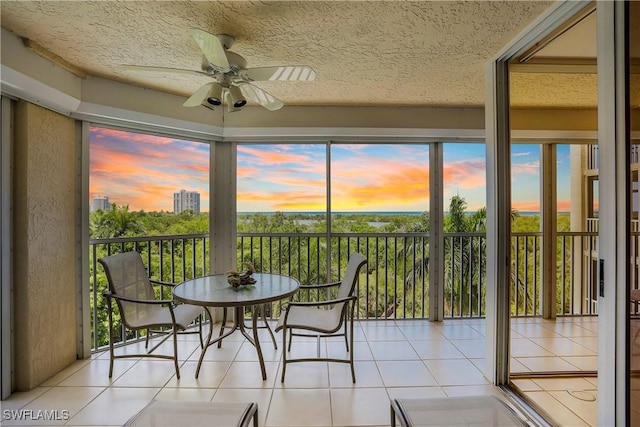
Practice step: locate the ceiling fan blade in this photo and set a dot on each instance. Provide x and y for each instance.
(263, 98)
(163, 70)
(212, 48)
(198, 96)
(302, 73)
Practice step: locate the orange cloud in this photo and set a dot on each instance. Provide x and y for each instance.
(526, 206)
(465, 174)
(143, 171)
(273, 157)
(563, 205)
(532, 168)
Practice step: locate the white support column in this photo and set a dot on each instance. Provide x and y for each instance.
(579, 203)
(498, 222)
(436, 233)
(548, 227)
(614, 224)
(6, 239)
(222, 207)
(83, 305)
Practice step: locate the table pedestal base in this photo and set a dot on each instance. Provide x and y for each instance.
(238, 324)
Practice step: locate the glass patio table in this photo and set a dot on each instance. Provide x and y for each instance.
(215, 291)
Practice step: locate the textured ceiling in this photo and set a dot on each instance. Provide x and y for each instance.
(364, 52)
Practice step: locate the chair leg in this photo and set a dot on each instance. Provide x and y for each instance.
(175, 351)
(290, 339)
(111, 353)
(146, 341)
(224, 322)
(266, 325)
(353, 371)
(346, 339)
(284, 353)
(200, 330)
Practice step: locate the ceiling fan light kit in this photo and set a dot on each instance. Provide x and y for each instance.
(236, 97)
(214, 97)
(232, 80)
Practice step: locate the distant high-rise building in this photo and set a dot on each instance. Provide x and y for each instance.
(186, 200)
(100, 203)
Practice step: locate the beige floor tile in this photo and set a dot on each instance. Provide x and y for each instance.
(527, 348)
(337, 349)
(455, 372)
(96, 373)
(583, 363)
(211, 375)
(471, 390)
(570, 330)
(393, 350)
(593, 380)
(563, 347)
(421, 331)
(187, 346)
(235, 395)
(460, 332)
(147, 374)
(563, 384)
(480, 364)
(304, 375)
(472, 349)
(517, 367)
(200, 394)
(560, 413)
(526, 384)
(589, 342)
(291, 407)
(546, 364)
(227, 352)
(66, 372)
(367, 375)
(249, 375)
(480, 327)
(57, 405)
(19, 399)
(306, 347)
(248, 353)
(114, 406)
(415, 392)
(389, 333)
(406, 373)
(360, 407)
(532, 330)
(436, 349)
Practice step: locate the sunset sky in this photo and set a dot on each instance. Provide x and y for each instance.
(143, 171)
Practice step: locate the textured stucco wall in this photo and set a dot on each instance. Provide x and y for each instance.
(45, 302)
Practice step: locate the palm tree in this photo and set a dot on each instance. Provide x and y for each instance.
(115, 222)
(464, 259)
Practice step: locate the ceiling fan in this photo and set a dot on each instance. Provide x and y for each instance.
(232, 80)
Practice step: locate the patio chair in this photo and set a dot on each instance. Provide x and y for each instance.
(171, 413)
(133, 292)
(326, 318)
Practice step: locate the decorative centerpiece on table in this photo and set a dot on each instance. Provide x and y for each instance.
(241, 278)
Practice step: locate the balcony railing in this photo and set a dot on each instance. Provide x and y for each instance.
(396, 282)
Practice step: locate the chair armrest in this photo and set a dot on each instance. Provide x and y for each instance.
(159, 283)
(323, 286)
(139, 301)
(322, 303)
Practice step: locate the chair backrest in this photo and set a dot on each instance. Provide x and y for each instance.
(348, 285)
(127, 275)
